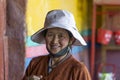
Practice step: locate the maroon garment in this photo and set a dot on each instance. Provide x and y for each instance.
(70, 69)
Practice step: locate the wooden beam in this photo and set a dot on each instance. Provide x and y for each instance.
(2, 29)
(92, 66)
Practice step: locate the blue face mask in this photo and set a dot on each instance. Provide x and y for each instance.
(60, 53)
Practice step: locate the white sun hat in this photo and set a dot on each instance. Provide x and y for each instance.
(61, 19)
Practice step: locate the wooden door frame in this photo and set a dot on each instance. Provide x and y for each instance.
(9, 54)
(2, 30)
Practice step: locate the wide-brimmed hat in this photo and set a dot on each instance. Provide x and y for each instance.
(61, 19)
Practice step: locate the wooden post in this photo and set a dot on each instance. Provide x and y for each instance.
(93, 41)
(15, 34)
(12, 43)
(2, 29)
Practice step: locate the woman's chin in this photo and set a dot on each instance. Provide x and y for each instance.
(54, 52)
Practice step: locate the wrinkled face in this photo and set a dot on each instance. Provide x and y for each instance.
(57, 39)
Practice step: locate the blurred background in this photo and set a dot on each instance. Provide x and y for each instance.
(98, 21)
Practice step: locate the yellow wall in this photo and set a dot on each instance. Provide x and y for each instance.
(37, 9)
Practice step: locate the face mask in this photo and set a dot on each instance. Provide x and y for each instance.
(60, 53)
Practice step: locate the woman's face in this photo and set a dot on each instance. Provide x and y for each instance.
(57, 39)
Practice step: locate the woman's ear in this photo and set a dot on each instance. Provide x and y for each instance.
(72, 40)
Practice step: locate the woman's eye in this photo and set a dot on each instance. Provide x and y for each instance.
(61, 36)
(49, 34)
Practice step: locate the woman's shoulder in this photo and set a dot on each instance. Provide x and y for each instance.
(38, 60)
(79, 69)
(75, 63)
(78, 66)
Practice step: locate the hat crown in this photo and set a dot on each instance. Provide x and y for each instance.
(61, 17)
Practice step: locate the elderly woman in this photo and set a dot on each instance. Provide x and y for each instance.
(59, 34)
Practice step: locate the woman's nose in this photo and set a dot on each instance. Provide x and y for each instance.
(55, 39)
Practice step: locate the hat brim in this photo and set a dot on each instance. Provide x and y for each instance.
(38, 37)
